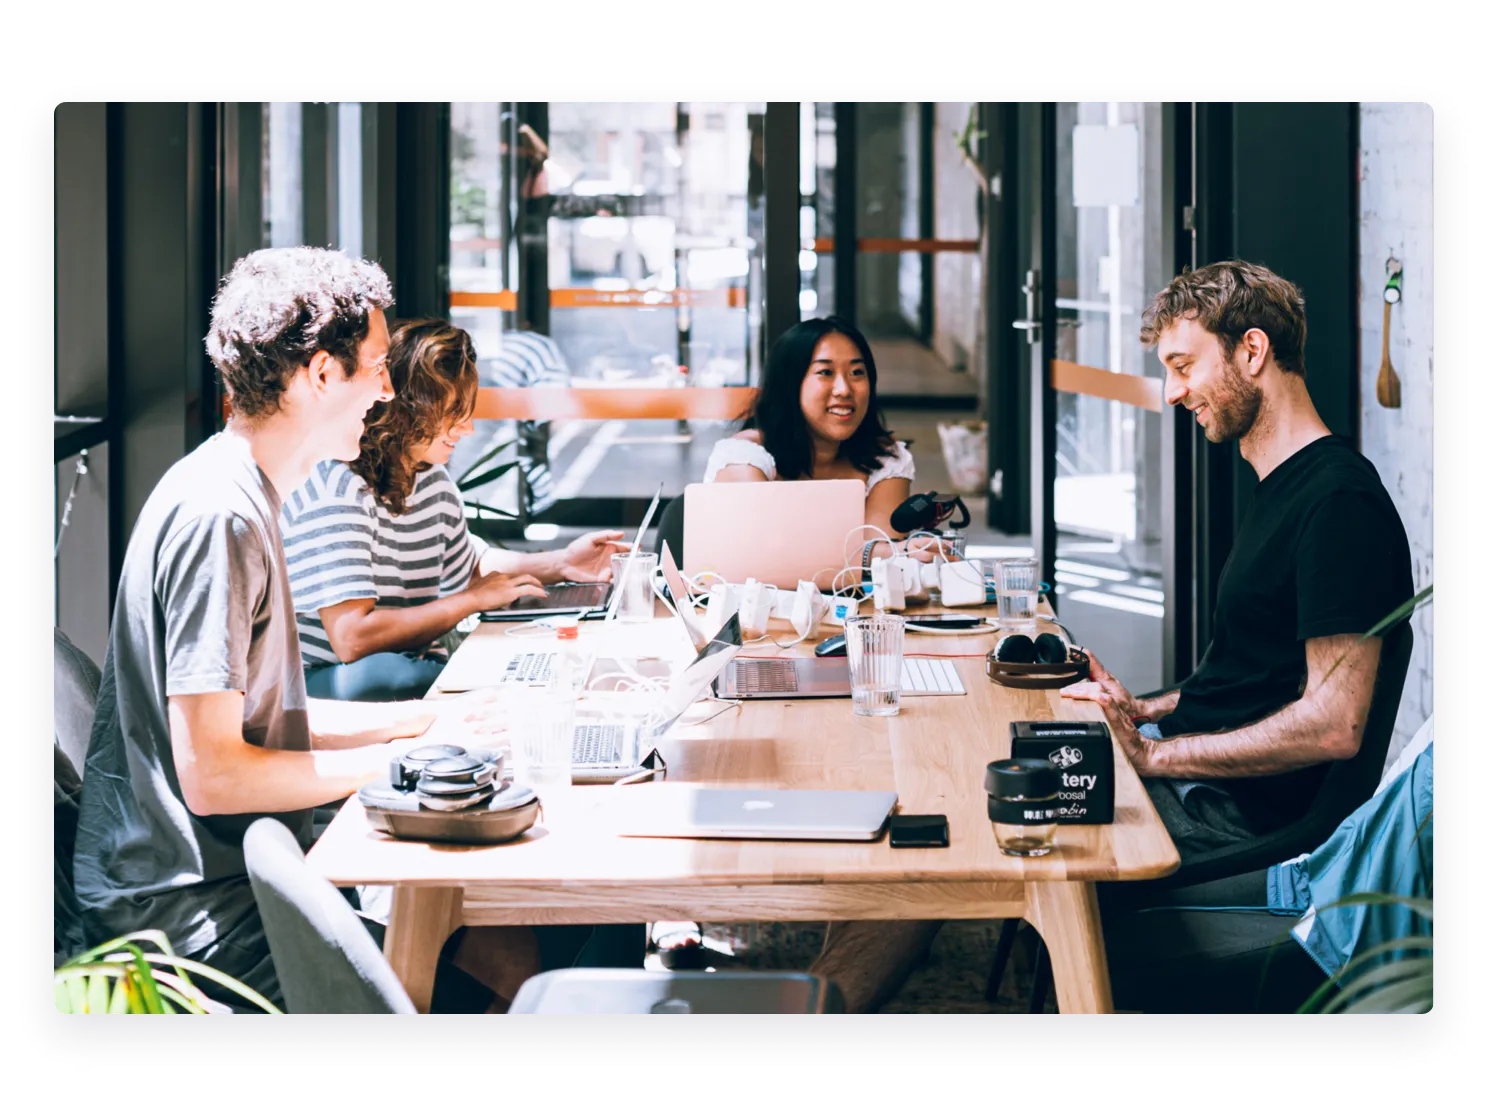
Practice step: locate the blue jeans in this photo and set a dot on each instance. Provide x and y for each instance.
(385, 676)
(1200, 817)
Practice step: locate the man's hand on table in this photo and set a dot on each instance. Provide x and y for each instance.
(471, 720)
(1123, 712)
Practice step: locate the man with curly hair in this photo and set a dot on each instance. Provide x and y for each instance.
(203, 724)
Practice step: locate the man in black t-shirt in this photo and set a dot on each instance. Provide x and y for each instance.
(1239, 749)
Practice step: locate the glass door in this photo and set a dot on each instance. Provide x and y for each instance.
(1098, 250)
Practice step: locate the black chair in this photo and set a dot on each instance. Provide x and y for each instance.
(1347, 784)
(669, 528)
(75, 697)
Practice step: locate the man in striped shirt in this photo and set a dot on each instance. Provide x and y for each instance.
(381, 562)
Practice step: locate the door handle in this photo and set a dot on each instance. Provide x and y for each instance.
(1030, 323)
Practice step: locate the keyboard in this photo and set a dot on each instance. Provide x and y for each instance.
(533, 668)
(930, 676)
(598, 745)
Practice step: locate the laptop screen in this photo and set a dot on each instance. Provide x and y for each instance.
(699, 675)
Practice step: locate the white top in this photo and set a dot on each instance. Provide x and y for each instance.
(742, 451)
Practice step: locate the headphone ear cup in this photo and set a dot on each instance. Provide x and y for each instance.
(1050, 649)
(1015, 649)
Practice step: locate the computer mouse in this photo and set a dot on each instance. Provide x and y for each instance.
(832, 645)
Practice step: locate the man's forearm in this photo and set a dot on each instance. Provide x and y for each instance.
(270, 781)
(336, 725)
(1289, 739)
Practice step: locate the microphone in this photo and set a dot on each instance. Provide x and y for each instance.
(926, 511)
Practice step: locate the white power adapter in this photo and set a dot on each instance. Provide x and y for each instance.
(806, 609)
(962, 583)
(911, 572)
(723, 602)
(888, 585)
(838, 609)
(756, 600)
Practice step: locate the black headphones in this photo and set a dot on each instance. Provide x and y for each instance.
(1017, 648)
(446, 777)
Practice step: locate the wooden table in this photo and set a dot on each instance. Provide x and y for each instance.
(572, 867)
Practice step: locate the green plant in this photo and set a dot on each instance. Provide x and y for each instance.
(120, 978)
(1391, 977)
(1403, 612)
(478, 475)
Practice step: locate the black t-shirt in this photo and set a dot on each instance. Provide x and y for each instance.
(1321, 552)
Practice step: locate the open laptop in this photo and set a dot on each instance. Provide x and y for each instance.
(607, 750)
(582, 597)
(766, 814)
(779, 533)
(747, 678)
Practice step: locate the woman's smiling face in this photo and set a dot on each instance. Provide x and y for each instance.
(834, 391)
(437, 452)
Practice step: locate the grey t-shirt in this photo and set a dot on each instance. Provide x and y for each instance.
(203, 607)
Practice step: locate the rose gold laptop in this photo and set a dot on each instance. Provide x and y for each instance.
(778, 532)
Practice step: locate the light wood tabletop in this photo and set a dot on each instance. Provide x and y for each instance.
(573, 867)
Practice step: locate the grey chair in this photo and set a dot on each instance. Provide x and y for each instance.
(669, 526)
(74, 700)
(639, 992)
(327, 961)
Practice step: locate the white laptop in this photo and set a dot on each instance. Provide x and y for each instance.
(779, 533)
(765, 814)
(607, 750)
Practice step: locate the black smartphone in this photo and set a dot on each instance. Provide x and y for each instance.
(947, 620)
(919, 831)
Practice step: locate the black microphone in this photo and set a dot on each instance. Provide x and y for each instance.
(927, 510)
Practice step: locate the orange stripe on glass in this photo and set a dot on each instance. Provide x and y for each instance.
(1081, 379)
(546, 403)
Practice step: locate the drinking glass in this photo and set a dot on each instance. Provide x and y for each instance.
(635, 594)
(541, 729)
(1017, 594)
(875, 661)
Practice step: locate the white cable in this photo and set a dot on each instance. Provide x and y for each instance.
(847, 556)
(981, 629)
(82, 470)
(939, 542)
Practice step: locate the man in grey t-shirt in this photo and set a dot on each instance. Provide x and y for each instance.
(203, 725)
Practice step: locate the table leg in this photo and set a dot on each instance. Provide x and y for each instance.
(1067, 918)
(422, 918)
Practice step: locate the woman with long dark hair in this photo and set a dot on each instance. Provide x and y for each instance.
(817, 418)
(381, 563)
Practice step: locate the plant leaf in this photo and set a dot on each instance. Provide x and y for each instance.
(485, 508)
(119, 1004)
(1359, 960)
(1410, 995)
(98, 994)
(1421, 906)
(485, 478)
(1387, 973)
(232, 984)
(1395, 616)
(489, 455)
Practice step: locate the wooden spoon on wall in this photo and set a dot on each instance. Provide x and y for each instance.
(1387, 387)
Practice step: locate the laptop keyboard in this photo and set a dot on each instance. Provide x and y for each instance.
(598, 745)
(532, 667)
(764, 676)
(574, 595)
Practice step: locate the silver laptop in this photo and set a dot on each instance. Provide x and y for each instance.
(760, 679)
(607, 750)
(766, 814)
(581, 597)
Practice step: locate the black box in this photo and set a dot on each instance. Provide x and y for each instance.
(1087, 767)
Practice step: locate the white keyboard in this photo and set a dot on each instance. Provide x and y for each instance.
(532, 668)
(930, 676)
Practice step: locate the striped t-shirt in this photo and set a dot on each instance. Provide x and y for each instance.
(340, 544)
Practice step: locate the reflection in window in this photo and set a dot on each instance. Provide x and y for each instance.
(284, 202)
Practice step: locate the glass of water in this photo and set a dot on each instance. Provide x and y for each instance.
(1017, 594)
(541, 731)
(636, 592)
(875, 661)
